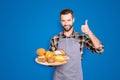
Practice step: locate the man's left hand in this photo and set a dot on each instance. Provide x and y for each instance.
(85, 28)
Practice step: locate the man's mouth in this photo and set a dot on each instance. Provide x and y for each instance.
(67, 26)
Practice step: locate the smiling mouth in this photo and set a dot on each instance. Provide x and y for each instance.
(67, 27)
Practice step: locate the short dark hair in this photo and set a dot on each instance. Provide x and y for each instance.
(66, 11)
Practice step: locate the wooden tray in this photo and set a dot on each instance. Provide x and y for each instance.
(50, 64)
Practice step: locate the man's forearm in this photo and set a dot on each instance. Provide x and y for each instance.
(94, 40)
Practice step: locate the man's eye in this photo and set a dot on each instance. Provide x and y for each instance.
(62, 20)
(69, 20)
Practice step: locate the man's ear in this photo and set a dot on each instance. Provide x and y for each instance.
(73, 19)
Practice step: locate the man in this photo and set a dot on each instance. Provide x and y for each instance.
(72, 43)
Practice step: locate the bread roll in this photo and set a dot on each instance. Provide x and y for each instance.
(41, 59)
(60, 52)
(41, 51)
(49, 54)
(60, 58)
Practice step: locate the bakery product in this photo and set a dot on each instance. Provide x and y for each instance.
(41, 51)
(60, 58)
(60, 52)
(42, 59)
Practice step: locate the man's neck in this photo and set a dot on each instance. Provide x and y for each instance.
(68, 33)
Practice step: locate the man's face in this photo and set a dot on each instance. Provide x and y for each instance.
(67, 21)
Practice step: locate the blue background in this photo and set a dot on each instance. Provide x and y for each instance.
(26, 25)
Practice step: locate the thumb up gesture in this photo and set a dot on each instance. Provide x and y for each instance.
(85, 28)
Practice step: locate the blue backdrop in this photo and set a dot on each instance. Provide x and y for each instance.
(26, 25)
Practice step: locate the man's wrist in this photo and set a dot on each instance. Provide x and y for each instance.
(90, 33)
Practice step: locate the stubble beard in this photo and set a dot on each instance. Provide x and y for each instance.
(67, 30)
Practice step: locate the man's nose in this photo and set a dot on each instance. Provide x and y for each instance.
(66, 23)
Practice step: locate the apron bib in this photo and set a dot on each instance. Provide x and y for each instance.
(72, 70)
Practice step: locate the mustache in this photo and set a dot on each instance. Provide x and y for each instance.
(67, 25)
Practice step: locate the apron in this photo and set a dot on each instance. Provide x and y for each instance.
(72, 70)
